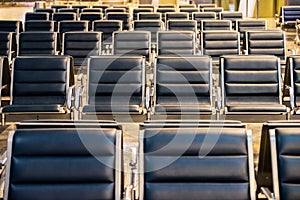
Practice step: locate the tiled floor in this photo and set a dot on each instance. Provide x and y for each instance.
(131, 129)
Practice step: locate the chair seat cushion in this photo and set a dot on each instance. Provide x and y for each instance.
(111, 109)
(276, 108)
(175, 109)
(32, 108)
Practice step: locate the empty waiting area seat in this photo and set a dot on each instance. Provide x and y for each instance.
(40, 25)
(182, 25)
(124, 17)
(65, 163)
(211, 25)
(36, 16)
(149, 25)
(107, 27)
(15, 26)
(66, 26)
(199, 16)
(174, 164)
(8, 45)
(40, 85)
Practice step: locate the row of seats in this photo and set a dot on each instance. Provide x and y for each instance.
(81, 45)
(193, 160)
(117, 85)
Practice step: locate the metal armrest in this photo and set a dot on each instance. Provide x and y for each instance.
(3, 159)
(149, 100)
(267, 193)
(130, 189)
(219, 99)
(79, 90)
(69, 96)
(292, 99)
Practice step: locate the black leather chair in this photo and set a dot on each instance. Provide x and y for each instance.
(285, 153)
(266, 42)
(115, 86)
(81, 45)
(124, 17)
(247, 25)
(103, 7)
(56, 7)
(107, 27)
(36, 16)
(14, 26)
(150, 16)
(218, 43)
(232, 16)
(67, 26)
(183, 86)
(189, 10)
(39, 25)
(37, 43)
(5, 80)
(206, 5)
(251, 85)
(199, 16)
(136, 11)
(213, 25)
(177, 162)
(69, 10)
(46, 10)
(40, 85)
(64, 16)
(8, 45)
(132, 43)
(176, 43)
(115, 10)
(91, 17)
(290, 15)
(187, 6)
(149, 25)
(182, 25)
(176, 16)
(92, 10)
(65, 163)
(163, 11)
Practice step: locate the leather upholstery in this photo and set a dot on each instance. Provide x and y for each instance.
(182, 25)
(115, 84)
(69, 10)
(221, 174)
(5, 76)
(107, 27)
(183, 85)
(36, 16)
(290, 14)
(92, 10)
(64, 16)
(132, 43)
(39, 83)
(11, 26)
(37, 43)
(218, 43)
(184, 45)
(66, 26)
(209, 25)
(90, 16)
(294, 66)
(46, 10)
(251, 84)
(150, 16)
(115, 10)
(199, 16)
(247, 25)
(288, 152)
(176, 16)
(139, 10)
(7, 43)
(124, 17)
(190, 11)
(82, 45)
(149, 25)
(232, 16)
(163, 11)
(266, 42)
(217, 10)
(63, 164)
(39, 25)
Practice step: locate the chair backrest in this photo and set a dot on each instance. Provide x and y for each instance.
(232, 16)
(149, 25)
(187, 6)
(149, 16)
(218, 43)
(107, 27)
(115, 10)
(37, 43)
(64, 163)
(184, 81)
(36, 16)
(11, 26)
(199, 16)
(292, 77)
(184, 45)
(82, 45)
(66, 26)
(247, 25)
(40, 80)
(166, 6)
(172, 165)
(69, 10)
(91, 16)
(250, 79)
(116, 81)
(266, 42)
(136, 11)
(211, 25)
(165, 10)
(132, 43)
(4, 77)
(39, 25)
(217, 10)
(176, 16)
(92, 10)
(46, 10)
(124, 17)
(206, 5)
(285, 153)
(7, 43)
(189, 10)
(290, 13)
(64, 16)
(182, 25)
